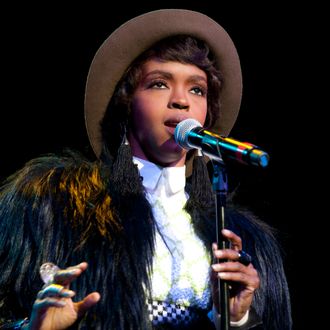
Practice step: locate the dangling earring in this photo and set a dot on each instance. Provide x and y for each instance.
(125, 173)
(201, 190)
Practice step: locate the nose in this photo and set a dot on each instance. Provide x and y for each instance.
(178, 101)
(178, 105)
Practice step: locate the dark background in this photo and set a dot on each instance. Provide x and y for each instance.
(46, 53)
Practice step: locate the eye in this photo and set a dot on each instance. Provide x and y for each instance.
(160, 84)
(198, 90)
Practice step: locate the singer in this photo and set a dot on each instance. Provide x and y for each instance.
(126, 240)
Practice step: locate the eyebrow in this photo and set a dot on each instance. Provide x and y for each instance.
(169, 75)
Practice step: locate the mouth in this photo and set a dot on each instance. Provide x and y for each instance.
(172, 122)
(171, 125)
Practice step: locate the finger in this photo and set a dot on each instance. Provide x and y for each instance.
(235, 240)
(227, 254)
(42, 304)
(66, 276)
(233, 271)
(50, 291)
(88, 302)
(250, 282)
(234, 267)
(55, 290)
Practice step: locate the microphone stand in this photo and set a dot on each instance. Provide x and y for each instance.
(220, 187)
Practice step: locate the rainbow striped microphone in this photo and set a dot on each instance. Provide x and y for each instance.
(189, 134)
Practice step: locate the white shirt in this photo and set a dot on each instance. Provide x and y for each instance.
(181, 265)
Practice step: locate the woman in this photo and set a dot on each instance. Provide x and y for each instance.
(146, 233)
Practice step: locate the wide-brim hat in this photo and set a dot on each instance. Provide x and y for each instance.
(137, 35)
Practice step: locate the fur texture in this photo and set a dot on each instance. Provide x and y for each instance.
(67, 210)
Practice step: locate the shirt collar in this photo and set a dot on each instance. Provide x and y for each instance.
(175, 177)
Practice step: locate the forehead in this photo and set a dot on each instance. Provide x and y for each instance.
(171, 68)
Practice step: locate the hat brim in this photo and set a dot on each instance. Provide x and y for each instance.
(137, 35)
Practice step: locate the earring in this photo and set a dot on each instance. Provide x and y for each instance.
(201, 191)
(125, 174)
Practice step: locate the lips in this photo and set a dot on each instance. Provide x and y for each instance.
(170, 126)
(171, 123)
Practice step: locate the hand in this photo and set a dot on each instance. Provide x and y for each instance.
(243, 280)
(54, 308)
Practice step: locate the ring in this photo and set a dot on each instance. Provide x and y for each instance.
(47, 272)
(244, 258)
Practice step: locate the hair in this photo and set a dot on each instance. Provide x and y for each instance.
(180, 48)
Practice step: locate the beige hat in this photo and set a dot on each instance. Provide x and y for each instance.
(137, 35)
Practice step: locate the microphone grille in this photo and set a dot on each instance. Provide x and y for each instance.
(182, 130)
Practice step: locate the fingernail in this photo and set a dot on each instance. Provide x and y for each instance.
(219, 254)
(69, 293)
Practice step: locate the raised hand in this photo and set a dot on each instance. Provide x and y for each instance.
(54, 308)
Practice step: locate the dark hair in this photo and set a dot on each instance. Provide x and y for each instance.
(180, 48)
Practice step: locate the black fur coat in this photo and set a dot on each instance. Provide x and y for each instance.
(67, 210)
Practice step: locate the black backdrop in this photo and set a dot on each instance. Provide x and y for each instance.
(46, 52)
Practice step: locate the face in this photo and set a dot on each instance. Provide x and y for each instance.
(167, 93)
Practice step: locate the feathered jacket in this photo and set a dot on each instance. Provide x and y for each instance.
(67, 210)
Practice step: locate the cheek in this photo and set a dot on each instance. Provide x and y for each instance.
(202, 119)
(201, 115)
(143, 117)
(138, 113)
(143, 108)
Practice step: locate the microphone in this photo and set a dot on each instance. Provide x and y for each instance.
(189, 134)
